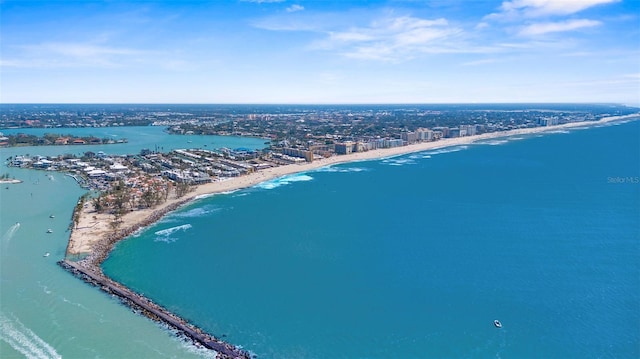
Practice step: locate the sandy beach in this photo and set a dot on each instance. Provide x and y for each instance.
(94, 236)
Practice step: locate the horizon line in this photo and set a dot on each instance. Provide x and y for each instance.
(321, 103)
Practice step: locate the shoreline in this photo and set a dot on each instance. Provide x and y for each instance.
(93, 238)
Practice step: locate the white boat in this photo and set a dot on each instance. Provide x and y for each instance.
(46, 254)
(497, 323)
(49, 230)
(52, 216)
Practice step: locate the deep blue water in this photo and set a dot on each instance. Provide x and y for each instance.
(415, 256)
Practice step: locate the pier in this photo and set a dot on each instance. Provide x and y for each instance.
(154, 311)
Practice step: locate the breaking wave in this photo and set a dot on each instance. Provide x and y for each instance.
(399, 161)
(165, 234)
(493, 142)
(196, 212)
(445, 150)
(284, 181)
(332, 169)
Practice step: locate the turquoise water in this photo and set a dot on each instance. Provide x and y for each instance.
(149, 137)
(415, 256)
(44, 311)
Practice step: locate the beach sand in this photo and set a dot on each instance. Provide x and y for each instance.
(95, 237)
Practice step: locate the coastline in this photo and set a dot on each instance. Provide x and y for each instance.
(93, 238)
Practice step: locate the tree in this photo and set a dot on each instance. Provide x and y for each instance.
(98, 204)
(147, 199)
(183, 188)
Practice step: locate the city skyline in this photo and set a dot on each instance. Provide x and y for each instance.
(279, 51)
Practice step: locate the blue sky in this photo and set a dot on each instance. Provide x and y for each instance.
(261, 51)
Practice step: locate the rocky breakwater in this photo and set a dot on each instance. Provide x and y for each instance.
(154, 311)
(89, 270)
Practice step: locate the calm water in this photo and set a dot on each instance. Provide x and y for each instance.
(415, 256)
(150, 137)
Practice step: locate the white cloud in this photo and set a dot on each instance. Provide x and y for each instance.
(394, 39)
(515, 9)
(295, 7)
(80, 50)
(562, 26)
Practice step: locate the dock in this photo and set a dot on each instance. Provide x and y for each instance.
(154, 311)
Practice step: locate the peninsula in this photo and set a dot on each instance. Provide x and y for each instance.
(94, 232)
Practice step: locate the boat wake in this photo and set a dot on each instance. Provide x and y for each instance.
(10, 232)
(24, 340)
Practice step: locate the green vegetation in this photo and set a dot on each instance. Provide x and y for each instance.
(50, 139)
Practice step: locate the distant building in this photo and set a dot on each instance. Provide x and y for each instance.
(443, 130)
(548, 121)
(409, 137)
(424, 134)
(297, 152)
(344, 148)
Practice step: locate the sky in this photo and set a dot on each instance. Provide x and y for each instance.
(322, 51)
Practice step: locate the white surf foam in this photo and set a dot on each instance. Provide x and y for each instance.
(24, 340)
(399, 161)
(284, 181)
(445, 150)
(333, 169)
(169, 231)
(165, 239)
(196, 212)
(493, 142)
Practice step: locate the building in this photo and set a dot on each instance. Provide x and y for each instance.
(409, 137)
(344, 148)
(424, 134)
(548, 121)
(297, 152)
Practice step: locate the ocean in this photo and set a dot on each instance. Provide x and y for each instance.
(415, 256)
(411, 256)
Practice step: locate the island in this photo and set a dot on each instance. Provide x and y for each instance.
(50, 139)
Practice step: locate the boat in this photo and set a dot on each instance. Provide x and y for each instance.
(46, 254)
(49, 230)
(52, 216)
(497, 323)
